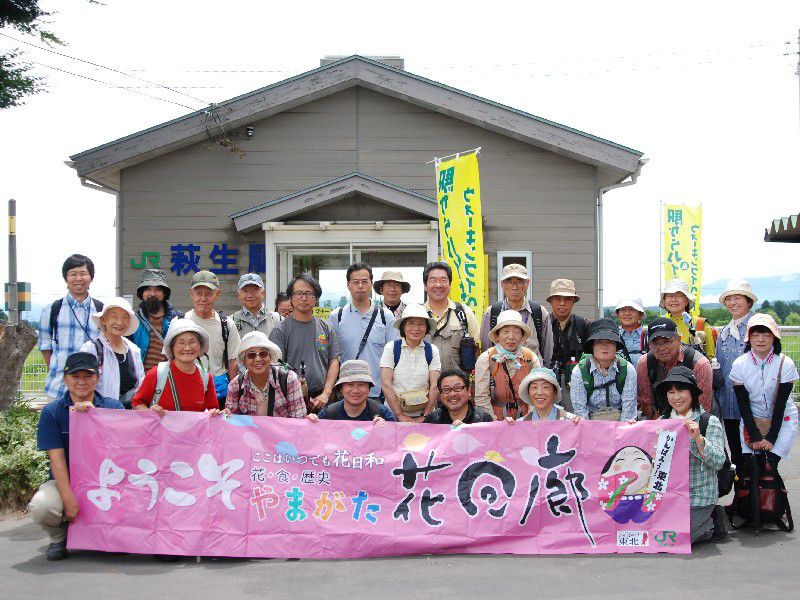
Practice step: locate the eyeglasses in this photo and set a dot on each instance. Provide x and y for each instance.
(254, 355)
(662, 341)
(187, 343)
(303, 295)
(760, 334)
(455, 389)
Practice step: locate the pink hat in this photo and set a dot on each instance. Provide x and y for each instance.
(764, 320)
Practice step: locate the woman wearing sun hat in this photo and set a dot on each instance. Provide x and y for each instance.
(631, 315)
(677, 301)
(500, 370)
(739, 299)
(264, 389)
(121, 370)
(540, 391)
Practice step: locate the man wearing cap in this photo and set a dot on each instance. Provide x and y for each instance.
(677, 301)
(603, 385)
(55, 505)
(264, 388)
(354, 383)
(220, 361)
(364, 327)
(569, 334)
(630, 313)
(454, 322)
(65, 325)
(666, 351)
(515, 282)
(254, 315)
(155, 314)
(392, 286)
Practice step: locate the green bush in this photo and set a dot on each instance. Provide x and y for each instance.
(23, 468)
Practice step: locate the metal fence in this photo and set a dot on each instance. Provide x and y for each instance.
(31, 385)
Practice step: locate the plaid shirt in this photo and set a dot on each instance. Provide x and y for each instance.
(71, 336)
(703, 467)
(247, 404)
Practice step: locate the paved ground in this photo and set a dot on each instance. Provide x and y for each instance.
(741, 564)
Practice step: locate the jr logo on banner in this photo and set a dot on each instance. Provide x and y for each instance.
(683, 249)
(197, 485)
(458, 193)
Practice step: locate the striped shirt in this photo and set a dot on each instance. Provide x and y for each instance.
(73, 324)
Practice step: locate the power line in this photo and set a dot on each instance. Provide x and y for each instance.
(88, 62)
(111, 85)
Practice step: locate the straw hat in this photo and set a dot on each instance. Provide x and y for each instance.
(540, 373)
(506, 318)
(257, 339)
(391, 276)
(738, 286)
(563, 287)
(179, 326)
(124, 305)
(675, 286)
(354, 371)
(415, 311)
(764, 320)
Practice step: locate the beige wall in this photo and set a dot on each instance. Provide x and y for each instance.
(532, 199)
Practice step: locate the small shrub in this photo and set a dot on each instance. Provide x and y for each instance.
(23, 468)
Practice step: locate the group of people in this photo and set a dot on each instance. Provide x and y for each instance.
(387, 361)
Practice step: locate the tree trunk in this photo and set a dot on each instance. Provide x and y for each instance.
(16, 342)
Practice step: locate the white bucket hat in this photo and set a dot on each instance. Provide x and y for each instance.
(536, 374)
(418, 312)
(673, 287)
(634, 303)
(118, 303)
(179, 326)
(257, 339)
(738, 286)
(510, 317)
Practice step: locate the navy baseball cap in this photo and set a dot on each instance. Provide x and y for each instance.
(81, 361)
(662, 327)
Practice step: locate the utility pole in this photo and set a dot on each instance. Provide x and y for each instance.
(13, 310)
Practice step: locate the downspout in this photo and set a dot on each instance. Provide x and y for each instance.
(599, 224)
(117, 226)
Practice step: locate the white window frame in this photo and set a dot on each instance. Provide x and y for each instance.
(528, 262)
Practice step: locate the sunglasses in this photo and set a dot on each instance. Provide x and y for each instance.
(254, 355)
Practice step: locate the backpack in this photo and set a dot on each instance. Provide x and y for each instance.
(378, 306)
(55, 308)
(223, 320)
(761, 498)
(652, 365)
(726, 473)
(536, 315)
(588, 379)
(398, 345)
(162, 376)
(280, 373)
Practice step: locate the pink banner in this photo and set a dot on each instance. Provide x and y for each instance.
(191, 484)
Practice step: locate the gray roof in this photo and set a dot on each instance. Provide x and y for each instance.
(284, 208)
(103, 163)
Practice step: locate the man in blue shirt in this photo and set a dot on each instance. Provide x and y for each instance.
(54, 505)
(364, 327)
(65, 325)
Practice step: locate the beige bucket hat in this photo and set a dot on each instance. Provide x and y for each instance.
(118, 303)
(257, 339)
(764, 320)
(536, 374)
(415, 311)
(391, 276)
(738, 286)
(563, 287)
(506, 318)
(675, 286)
(353, 371)
(179, 326)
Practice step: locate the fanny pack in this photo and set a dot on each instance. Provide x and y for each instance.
(413, 402)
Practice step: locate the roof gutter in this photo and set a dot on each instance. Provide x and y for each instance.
(598, 218)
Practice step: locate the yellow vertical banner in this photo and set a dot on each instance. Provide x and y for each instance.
(683, 247)
(458, 196)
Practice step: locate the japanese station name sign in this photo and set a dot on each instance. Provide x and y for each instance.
(683, 248)
(458, 194)
(201, 485)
